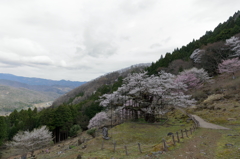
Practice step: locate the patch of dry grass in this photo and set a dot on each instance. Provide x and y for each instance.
(213, 97)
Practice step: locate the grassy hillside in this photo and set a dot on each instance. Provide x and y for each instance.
(19, 98)
(219, 103)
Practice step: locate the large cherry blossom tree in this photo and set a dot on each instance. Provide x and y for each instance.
(148, 95)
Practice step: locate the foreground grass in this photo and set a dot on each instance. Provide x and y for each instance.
(128, 134)
(228, 145)
(225, 112)
(203, 144)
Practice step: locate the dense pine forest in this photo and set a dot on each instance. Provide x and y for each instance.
(62, 119)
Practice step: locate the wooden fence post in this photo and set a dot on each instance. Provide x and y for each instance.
(114, 144)
(182, 133)
(186, 132)
(173, 139)
(198, 124)
(178, 137)
(164, 145)
(126, 149)
(139, 147)
(102, 144)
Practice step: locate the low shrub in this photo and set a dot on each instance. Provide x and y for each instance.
(75, 129)
(91, 132)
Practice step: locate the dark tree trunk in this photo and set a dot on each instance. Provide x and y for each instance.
(59, 136)
(24, 156)
(149, 118)
(135, 112)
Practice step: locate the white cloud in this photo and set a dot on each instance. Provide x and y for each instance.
(98, 41)
(21, 46)
(42, 60)
(83, 39)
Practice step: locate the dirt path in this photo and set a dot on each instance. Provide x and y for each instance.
(205, 124)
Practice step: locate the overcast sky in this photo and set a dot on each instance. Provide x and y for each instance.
(81, 40)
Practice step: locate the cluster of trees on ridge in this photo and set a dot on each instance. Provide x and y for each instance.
(139, 92)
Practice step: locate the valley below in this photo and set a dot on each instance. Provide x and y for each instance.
(18, 92)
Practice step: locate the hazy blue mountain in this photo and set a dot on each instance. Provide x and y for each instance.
(54, 90)
(40, 81)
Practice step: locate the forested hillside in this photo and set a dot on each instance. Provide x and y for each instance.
(222, 32)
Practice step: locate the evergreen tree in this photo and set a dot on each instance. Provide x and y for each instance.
(63, 121)
(3, 129)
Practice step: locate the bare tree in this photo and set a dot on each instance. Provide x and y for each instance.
(213, 55)
(179, 65)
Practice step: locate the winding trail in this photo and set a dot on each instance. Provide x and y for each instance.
(204, 124)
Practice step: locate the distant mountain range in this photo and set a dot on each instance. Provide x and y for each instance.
(52, 90)
(40, 81)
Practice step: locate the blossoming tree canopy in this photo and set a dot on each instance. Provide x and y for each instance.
(229, 66)
(98, 120)
(197, 55)
(193, 77)
(29, 141)
(234, 43)
(148, 94)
